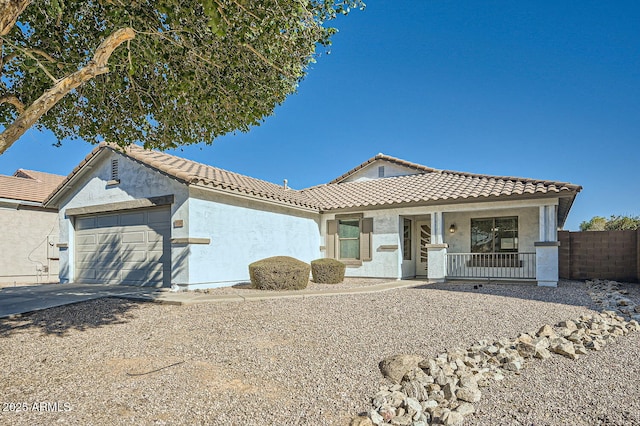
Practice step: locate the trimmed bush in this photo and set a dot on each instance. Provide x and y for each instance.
(279, 273)
(327, 271)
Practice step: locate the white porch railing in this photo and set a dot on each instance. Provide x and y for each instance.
(491, 265)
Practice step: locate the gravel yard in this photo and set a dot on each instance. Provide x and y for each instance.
(311, 361)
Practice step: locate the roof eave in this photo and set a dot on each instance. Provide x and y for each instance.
(199, 185)
(76, 173)
(444, 201)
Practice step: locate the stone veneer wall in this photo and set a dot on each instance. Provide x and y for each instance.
(612, 255)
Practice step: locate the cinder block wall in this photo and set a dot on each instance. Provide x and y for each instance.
(613, 255)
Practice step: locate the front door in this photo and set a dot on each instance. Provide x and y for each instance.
(424, 238)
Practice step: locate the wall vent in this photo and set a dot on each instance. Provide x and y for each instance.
(115, 174)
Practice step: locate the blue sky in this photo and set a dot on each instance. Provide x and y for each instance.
(542, 89)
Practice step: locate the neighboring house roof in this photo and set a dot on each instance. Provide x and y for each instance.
(28, 185)
(427, 185)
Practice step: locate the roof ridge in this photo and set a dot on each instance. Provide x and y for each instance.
(209, 166)
(381, 156)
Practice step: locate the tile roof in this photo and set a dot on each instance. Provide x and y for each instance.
(417, 167)
(28, 185)
(437, 185)
(427, 185)
(202, 175)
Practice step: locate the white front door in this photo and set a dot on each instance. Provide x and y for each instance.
(424, 238)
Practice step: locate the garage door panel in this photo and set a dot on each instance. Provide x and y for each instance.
(84, 240)
(85, 223)
(154, 237)
(127, 248)
(99, 275)
(107, 276)
(98, 258)
(106, 239)
(143, 276)
(133, 237)
(87, 275)
(135, 256)
(129, 219)
(106, 221)
(155, 246)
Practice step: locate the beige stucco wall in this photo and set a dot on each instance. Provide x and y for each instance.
(26, 233)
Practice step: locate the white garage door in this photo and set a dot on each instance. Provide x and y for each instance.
(132, 247)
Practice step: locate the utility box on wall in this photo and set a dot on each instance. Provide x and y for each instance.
(53, 252)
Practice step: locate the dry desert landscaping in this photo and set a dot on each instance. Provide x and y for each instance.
(302, 361)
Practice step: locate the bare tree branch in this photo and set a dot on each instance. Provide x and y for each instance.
(13, 100)
(9, 12)
(95, 67)
(43, 54)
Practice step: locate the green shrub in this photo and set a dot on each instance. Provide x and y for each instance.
(279, 273)
(327, 271)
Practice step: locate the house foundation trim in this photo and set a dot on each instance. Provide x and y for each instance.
(122, 205)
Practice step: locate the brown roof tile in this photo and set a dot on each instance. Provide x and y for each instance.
(417, 167)
(28, 185)
(197, 174)
(427, 185)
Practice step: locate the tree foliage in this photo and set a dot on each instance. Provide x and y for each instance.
(182, 71)
(614, 223)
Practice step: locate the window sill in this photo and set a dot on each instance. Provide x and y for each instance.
(113, 182)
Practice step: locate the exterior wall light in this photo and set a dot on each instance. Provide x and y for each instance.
(452, 228)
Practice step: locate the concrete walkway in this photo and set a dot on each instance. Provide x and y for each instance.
(20, 300)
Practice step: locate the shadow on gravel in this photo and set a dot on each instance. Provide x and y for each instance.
(567, 293)
(78, 316)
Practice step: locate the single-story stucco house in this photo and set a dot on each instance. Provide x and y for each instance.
(143, 217)
(29, 231)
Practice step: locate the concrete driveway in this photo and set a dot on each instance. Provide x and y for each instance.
(20, 300)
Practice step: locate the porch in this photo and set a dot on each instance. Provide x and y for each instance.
(513, 243)
(521, 266)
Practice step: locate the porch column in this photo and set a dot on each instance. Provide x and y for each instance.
(547, 247)
(437, 250)
(437, 228)
(437, 262)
